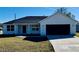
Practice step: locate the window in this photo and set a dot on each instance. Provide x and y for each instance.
(10, 27)
(35, 27)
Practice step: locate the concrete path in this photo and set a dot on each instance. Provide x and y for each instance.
(69, 44)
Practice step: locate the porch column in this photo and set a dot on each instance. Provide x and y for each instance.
(28, 29)
(16, 29)
(43, 30)
(4, 29)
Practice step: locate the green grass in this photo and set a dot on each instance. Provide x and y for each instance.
(77, 34)
(15, 44)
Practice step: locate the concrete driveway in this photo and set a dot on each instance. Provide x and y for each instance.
(64, 43)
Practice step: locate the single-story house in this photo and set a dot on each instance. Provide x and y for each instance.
(77, 27)
(1, 32)
(60, 23)
(0, 27)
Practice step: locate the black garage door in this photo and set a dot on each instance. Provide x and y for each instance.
(57, 29)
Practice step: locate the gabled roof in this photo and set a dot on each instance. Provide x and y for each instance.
(70, 17)
(61, 14)
(27, 19)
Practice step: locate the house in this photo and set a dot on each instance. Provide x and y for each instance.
(77, 27)
(0, 26)
(60, 23)
(1, 32)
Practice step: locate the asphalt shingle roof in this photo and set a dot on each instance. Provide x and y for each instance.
(27, 19)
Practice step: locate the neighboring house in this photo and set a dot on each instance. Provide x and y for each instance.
(77, 27)
(60, 23)
(1, 29)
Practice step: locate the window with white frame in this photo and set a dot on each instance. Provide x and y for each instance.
(10, 27)
(35, 27)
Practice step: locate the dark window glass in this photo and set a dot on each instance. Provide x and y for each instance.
(12, 28)
(35, 29)
(8, 27)
(35, 25)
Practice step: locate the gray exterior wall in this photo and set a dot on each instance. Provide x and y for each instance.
(18, 29)
(57, 19)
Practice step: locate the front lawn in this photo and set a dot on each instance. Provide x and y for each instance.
(77, 34)
(16, 44)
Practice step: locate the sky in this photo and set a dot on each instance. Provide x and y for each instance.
(8, 13)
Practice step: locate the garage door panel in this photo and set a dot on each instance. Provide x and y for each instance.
(57, 29)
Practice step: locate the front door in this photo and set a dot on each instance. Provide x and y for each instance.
(24, 29)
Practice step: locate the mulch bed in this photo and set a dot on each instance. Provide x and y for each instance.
(36, 38)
